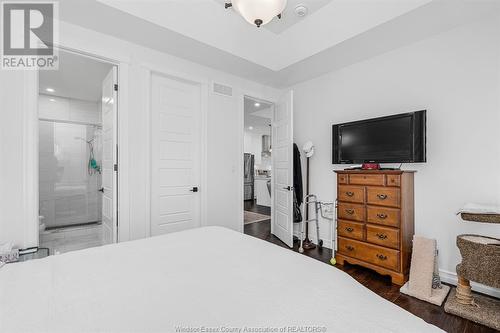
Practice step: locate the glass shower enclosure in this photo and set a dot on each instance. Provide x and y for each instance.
(70, 175)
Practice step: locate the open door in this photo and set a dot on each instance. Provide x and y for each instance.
(282, 145)
(109, 157)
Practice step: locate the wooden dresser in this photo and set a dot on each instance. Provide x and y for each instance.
(376, 220)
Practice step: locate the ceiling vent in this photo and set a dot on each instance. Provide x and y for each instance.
(223, 90)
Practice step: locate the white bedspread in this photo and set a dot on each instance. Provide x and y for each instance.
(204, 278)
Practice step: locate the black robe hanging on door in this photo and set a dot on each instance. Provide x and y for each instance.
(297, 184)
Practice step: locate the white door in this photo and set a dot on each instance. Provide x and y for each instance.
(175, 144)
(282, 144)
(109, 157)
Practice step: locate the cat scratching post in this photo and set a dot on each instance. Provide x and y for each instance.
(464, 292)
(424, 282)
(481, 264)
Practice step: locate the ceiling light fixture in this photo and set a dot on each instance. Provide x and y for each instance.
(50, 90)
(258, 12)
(250, 128)
(257, 104)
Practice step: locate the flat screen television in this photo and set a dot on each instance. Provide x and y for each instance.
(399, 138)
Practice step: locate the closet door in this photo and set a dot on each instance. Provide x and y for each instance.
(175, 155)
(282, 199)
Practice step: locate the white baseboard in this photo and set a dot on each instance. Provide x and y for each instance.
(451, 278)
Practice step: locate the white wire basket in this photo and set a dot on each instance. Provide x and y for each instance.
(327, 210)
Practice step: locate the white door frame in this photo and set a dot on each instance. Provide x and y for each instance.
(121, 190)
(241, 190)
(148, 70)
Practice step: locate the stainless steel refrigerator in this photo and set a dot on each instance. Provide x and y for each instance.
(248, 173)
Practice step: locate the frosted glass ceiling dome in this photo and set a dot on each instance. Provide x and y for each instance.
(259, 12)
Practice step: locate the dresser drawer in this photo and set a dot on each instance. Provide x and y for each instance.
(382, 215)
(361, 179)
(382, 236)
(351, 193)
(343, 179)
(384, 196)
(393, 180)
(373, 254)
(351, 229)
(351, 211)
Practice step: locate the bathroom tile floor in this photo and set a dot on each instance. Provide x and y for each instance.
(68, 239)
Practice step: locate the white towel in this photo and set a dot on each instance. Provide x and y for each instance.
(472, 208)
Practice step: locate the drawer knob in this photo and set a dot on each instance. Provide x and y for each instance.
(349, 248)
(382, 196)
(349, 193)
(349, 229)
(382, 236)
(381, 257)
(349, 211)
(381, 216)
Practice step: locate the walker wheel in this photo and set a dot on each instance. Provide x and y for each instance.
(333, 261)
(320, 243)
(301, 250)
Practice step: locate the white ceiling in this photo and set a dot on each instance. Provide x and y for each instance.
(288, 17)
(335, 35)
(208, 22)
(78, 77)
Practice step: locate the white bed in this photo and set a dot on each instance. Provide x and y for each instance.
(207, 277)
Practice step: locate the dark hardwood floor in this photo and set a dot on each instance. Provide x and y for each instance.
(379, 284)
(251, 206)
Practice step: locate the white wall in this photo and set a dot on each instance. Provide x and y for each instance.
(456, 77)
(18, 197)
(224, 120)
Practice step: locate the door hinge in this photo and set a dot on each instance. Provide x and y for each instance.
(116, 87)
(115, 167)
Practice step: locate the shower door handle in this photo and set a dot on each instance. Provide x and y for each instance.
(101, 189)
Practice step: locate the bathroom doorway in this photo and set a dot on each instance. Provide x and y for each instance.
(77, 110)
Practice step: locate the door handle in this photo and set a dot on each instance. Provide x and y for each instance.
(101, 189)
(194, 189)
(288, 188)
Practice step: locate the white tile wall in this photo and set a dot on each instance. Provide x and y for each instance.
(59, 108)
